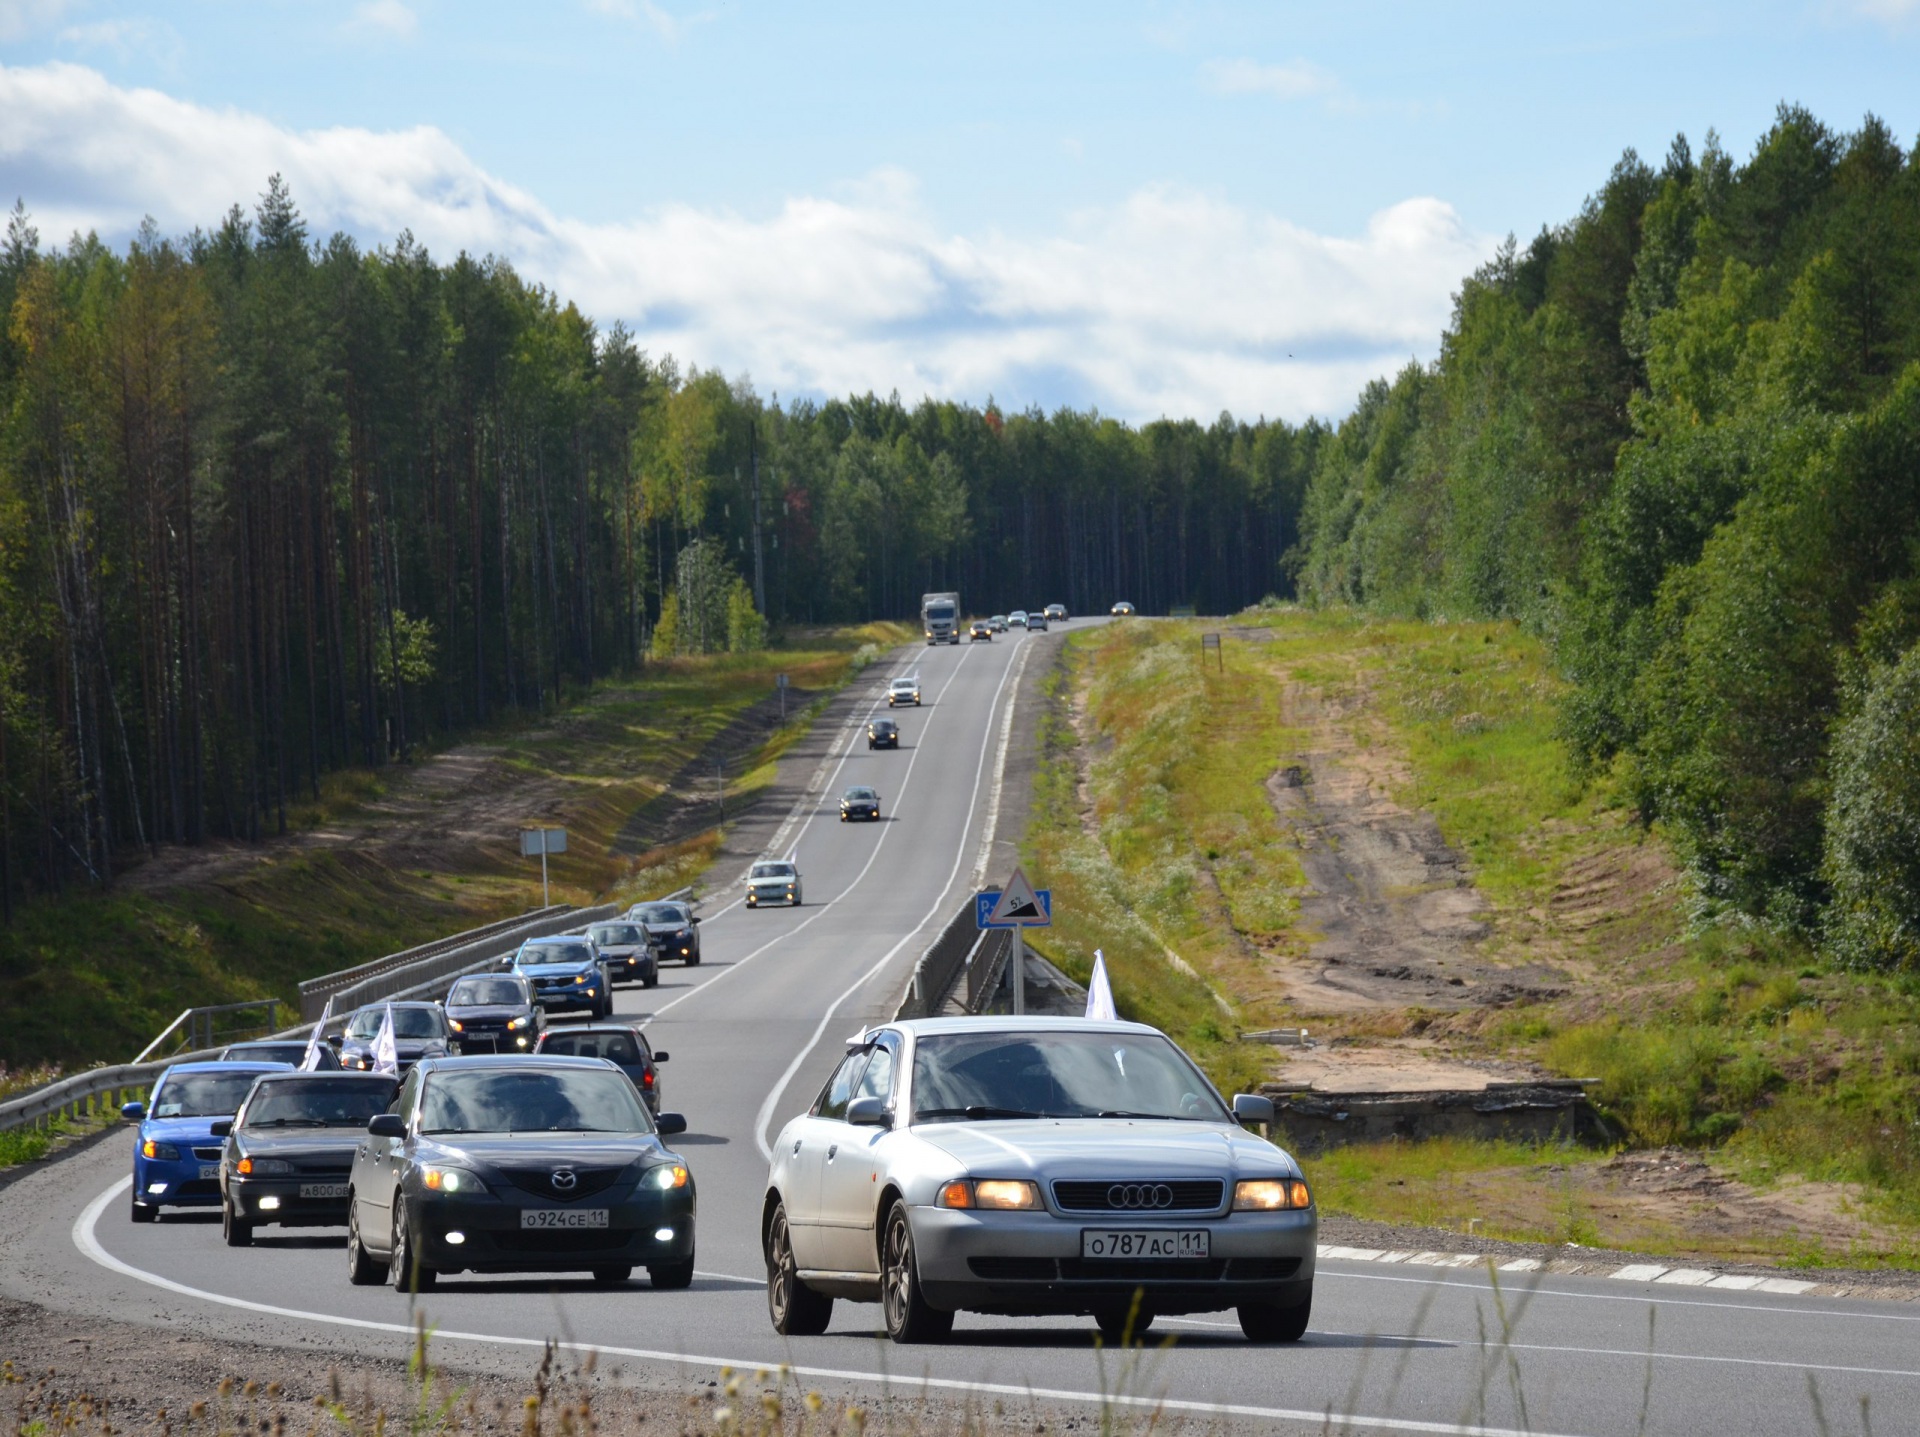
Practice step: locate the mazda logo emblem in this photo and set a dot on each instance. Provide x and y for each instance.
(564, 1180)
(1139, 1195)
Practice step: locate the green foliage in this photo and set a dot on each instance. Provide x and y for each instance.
(1873, 824)
(746, 629)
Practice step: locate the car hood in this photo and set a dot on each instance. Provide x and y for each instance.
(300, 1142)
(180, 1130)
(1105, 1148)
(484, 1011)
(668, 927)
(512, 1150)
(554, 970)
(772, 882)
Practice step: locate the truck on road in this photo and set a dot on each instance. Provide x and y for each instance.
(940, 617)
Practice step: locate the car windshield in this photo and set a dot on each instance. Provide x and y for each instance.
(616, 933)
(201, 1095)
(478, 992)
(524, 1100)
(1057, 1075)
(365, 1023)
(861, 793)
(773, 870)
(418, 1023)
(660, 913)
(535, 953)
(319, 1103)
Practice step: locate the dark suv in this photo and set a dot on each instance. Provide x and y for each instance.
(494, 1013)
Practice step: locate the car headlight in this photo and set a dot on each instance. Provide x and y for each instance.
(668, 1176)
(996, 1193)
(352, 1060)
(442, 1179)
(166, 1152)
(524, 1020)
(1271, 1195)
(456, 1025)
(579, 977)
(262, 1167)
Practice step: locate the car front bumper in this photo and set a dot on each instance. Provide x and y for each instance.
(1014, 1264)
(289, 1208)
(177, 1182)
(763, 897)
(582, 996)
(633, 967)
(493, 1240)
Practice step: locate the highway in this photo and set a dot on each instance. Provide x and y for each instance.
(752, 1034)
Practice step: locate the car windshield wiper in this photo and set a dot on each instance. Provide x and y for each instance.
(977, 1110)
(294, 1123)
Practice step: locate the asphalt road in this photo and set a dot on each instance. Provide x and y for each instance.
(754, 1031)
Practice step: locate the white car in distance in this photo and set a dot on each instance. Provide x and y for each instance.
(774, 881)
(904, 690)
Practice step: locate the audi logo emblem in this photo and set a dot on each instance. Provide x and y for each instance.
(1139, 1195)
(564, 1180)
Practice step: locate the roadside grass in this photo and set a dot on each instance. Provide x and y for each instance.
(1153, 826)
(103, 972)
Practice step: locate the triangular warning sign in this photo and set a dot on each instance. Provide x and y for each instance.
(1017, 902)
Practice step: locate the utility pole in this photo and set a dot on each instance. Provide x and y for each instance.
(759, 578)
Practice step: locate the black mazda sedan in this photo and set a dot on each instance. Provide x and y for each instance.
(519, 1164)
(290, 1147)
(494, 1013)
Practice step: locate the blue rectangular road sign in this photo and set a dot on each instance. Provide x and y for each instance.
(983, 910)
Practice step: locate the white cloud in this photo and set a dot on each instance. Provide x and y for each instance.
(1170, 302)
(385, 17)
(667, 25)
(19, 18)
(1295, 80)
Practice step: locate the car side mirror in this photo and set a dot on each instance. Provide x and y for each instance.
(386, 1125)
(334, 1040)
(1252, 1108)
(222, 1128)
(133, 1112)
(869, 1113)
(659, 1057)
(670, 1124)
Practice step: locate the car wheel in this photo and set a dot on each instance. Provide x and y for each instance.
(403, 1271)
(693, 959)
(909, 1319)
(362, 1269)
(672, 1276)
(611, 1276)
(1264, 1322)
(235, 1232)
(652, 980)
(1124, 1323)
(796, 1309)
(142, 1211)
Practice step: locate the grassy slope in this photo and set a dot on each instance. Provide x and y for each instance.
(1737, 1040)
(101, 973)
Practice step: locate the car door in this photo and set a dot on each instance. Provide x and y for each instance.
(850, 1172)
(809, 1139)
(377, 1166)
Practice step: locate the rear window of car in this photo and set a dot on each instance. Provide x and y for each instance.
(201, 1095)
(475, 992)
(530, 1100)
(267, 1052)
(614, 1047)
(318, 1103)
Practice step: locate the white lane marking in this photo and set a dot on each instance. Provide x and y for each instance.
(1767, 1309)
(85, 1239)
(821, 909)
(765, 1114)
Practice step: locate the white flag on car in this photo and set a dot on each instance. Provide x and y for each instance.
(1099, 992)
(316, 1040)
(386, 1057)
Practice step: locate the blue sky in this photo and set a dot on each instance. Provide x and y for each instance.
(1154, 208)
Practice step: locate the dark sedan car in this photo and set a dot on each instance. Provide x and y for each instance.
(628, 952)
(883, 733)
(624, 1047)
(290, 1147)
(276, 1050)
(519, 1164)
(979, 629)
(494, 1013)
(859, 802)
(419, 1031)
(674, 924)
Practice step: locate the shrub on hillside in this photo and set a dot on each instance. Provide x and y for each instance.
(1873, 825)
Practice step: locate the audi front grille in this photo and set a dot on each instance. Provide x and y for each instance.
(1145, 1197)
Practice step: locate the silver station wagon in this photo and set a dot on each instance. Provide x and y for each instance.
(1031, 1166)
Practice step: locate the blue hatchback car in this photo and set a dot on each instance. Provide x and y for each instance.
(566, 974)
(176, 1157)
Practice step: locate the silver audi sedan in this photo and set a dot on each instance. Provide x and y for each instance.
(1033, 1166)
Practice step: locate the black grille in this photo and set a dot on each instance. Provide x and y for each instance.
(207, 1155)
(318, 1169)
(1262, 1269)
(1076, 1269)
(1015, 1269)
(197, 1187)
(586, 1182)
(1189, 1195)
(577, 1239)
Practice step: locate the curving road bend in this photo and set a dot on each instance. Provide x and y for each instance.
(755, 1030)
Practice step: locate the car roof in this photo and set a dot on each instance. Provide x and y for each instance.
(397, 1003)
(572, 1028)
(998, 1024)
(332, 1075)
(229, 1065)
(548, 1061)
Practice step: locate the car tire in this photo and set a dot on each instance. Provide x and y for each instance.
(233, 1231)
(1265, 1322)
(611, 1276)
(693, 959)
(363, 1269)
(795, 1309)
(142, 1211)
(1124, 1323)
(652, 980)
(909, 1318)
(672, 1276)
(402, 1271)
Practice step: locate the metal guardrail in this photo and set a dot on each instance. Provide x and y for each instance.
(84, 1094)
(469, 955)
(987, 966)
(314, 992)
(961, 950)
(204, 1029)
